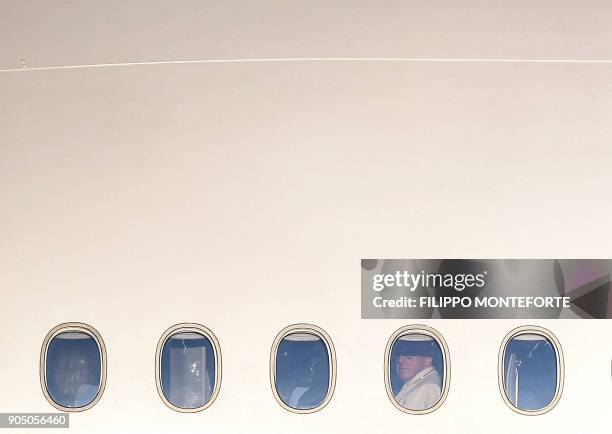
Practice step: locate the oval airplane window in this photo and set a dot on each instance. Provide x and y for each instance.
(531, 370)
(417, 369)
(73, 367)
(188, 367)
(303, 368)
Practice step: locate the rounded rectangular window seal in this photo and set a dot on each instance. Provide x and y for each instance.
(188, 367)
(531, 370)
(303, 368)
(417, 369)
(73, 367)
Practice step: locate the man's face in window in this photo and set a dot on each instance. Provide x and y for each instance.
(408, 366)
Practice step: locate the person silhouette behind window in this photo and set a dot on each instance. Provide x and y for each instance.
(422, 386)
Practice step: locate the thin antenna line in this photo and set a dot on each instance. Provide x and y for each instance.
(309, 59)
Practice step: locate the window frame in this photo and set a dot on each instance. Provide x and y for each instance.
(188, 328)
(531, 329)
(331, 353)
(73, 327)
(434, 334)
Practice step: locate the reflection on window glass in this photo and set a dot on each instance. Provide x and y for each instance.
(302, 370)
(530, 371)
(188, 370)
(416, 371)
(73, 369)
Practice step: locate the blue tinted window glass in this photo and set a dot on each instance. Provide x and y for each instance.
(73, 369)
(302, 370)
(416, 371)
(188, 370)
(530, 371)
